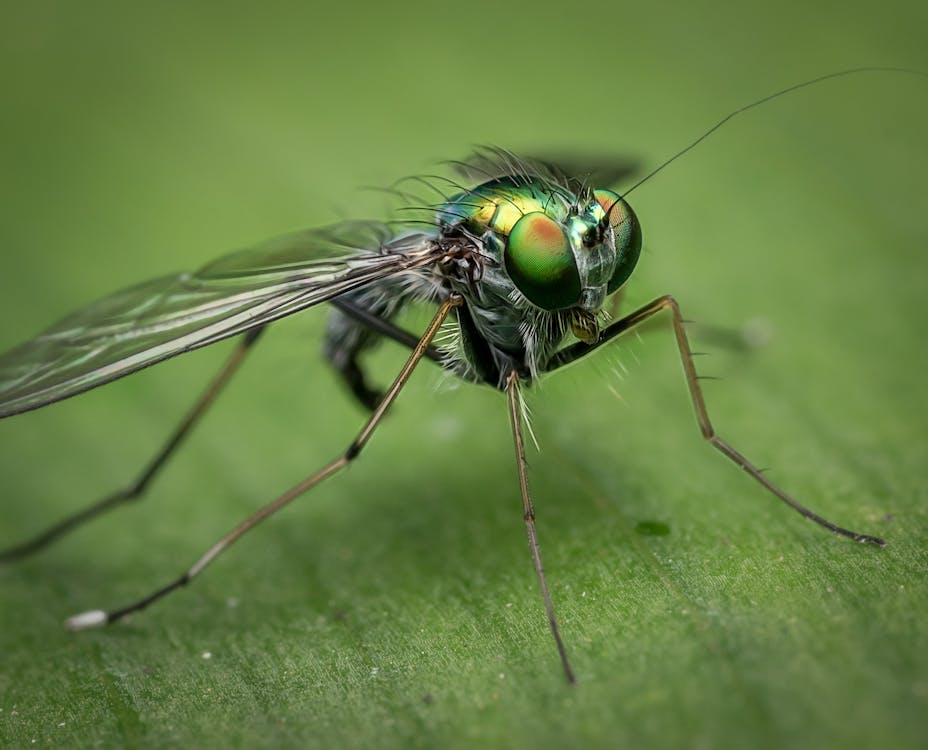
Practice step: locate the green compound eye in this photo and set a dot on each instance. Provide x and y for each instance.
(541, 263)
(627, 236)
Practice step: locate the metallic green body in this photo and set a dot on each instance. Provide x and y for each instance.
(551, 251)
(496, 206)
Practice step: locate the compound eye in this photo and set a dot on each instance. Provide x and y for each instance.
(541, 263)
(627, 236)
(611, 204)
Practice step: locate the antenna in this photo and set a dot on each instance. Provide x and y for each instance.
(764, 100)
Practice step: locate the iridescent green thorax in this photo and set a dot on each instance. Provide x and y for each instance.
(497, 205)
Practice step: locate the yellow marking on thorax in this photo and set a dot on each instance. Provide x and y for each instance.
(501, 214)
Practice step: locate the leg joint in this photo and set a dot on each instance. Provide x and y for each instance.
(668, 300)
(352, 452)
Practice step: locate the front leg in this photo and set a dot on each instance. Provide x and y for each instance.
(637, 318)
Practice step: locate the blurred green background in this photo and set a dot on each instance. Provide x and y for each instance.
(396, 606)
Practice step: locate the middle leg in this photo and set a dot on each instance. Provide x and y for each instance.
(528, 514)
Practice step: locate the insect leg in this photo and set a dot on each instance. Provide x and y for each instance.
(346, 340)
(101, 617)
(637, 318)
(528, 513)
(135, 490)
(743, 338)
(384, 327)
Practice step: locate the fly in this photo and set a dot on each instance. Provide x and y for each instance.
(519, 265)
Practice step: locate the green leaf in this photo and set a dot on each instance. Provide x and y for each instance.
(396, 605)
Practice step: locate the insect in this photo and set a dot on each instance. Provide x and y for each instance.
(520, 265)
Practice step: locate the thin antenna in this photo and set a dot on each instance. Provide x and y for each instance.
(764, 100)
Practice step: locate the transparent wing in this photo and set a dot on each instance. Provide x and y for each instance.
(142, 325)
